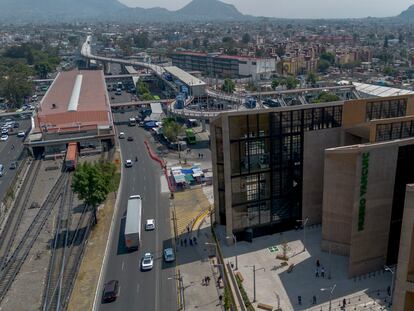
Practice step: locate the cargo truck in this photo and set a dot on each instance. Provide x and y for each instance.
(133, 222)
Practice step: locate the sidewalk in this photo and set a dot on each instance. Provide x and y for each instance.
(196, 262)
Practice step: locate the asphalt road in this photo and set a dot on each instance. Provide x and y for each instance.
(151, 290)
(9, 154)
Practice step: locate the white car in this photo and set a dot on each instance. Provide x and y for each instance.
(4, 137)
(128, 163)
(147, 262)
(21, 134)
(121, 135)
(150, 224)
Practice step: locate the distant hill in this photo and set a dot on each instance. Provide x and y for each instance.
(210, 9)
(408, 14)
(55, 11)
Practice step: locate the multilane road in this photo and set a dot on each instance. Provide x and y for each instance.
(153, 290)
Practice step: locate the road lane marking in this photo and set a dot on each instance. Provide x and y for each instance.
(137, 288)
(123, 265)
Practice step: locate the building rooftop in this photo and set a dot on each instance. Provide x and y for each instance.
(184, 76)
(380, 91)
(75, 99)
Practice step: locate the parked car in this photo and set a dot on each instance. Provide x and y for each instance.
(169, 255)
(16, 125)
(4, 137)
(1, 170)
(13, 165)
(147, 262)
(21, 134)
(111, 291)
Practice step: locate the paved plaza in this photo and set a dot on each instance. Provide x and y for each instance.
(273, 281)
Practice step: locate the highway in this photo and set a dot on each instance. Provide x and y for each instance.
(151, 290)
(9, 154)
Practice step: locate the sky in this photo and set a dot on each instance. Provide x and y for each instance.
(298, 8)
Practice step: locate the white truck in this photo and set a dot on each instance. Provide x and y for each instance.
(133, 222)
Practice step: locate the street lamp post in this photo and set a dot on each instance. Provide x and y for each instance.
(254, 279)
(235, 247)
(331, 290)
(304, 222)
(179, 278)
(392, 270)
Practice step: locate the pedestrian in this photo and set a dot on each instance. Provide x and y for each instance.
(323, 272)
(220, 298)
(12, 147)
(195, 240)
(191, 241)
(317, 272)
(208, 280)
(185, 242)
(188, 229)
(318, 263)
(389, 291)
(299, 300)
(314, 300)
(344, 302)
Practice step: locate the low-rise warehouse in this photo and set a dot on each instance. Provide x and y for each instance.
(76, 108)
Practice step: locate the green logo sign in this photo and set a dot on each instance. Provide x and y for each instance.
(363, 191)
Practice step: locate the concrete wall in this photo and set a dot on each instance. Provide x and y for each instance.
(315, 143)
(339, 191)
(369, 245)
(404, 290)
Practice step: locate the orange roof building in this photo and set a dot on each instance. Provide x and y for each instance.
(75, 108)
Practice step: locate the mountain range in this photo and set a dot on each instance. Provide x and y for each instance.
(60, 11)
(49, 11)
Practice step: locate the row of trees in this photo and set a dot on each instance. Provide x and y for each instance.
(18, 64)
(92, 182)
(172, 129)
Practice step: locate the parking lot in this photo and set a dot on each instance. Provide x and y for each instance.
(11, 151)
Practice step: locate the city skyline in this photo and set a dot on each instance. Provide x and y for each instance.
(289, 8)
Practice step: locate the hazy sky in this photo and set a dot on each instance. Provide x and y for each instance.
(298, 8)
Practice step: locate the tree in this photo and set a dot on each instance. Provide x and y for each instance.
(228, 86)
(323, 65)
(147, 96)
(93, 181)
(142, 88)
(327, 56)
(311, 78)
(291, 83)
(141, 40)
(325, 97)
(16, 84)
(275, 84)
(171, 129)
(42, 69)
(246, 38)
(228, 40)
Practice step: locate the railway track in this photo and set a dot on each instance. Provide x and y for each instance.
(52, 292)
(16, 260)
(22, 202)
(66, 255)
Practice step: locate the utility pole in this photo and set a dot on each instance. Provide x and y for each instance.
(304, 222)
(331, 290)
(254, 279)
